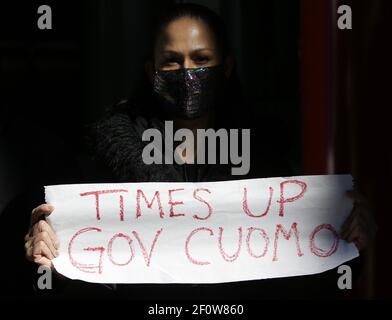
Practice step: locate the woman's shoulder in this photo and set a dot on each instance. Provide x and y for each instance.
(116, 139)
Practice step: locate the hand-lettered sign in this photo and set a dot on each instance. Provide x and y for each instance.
(201, 232)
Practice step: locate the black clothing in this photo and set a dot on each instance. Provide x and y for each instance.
(118, 146)
(117, 142)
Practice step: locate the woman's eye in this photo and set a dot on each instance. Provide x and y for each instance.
(201, 59)
(169, 62)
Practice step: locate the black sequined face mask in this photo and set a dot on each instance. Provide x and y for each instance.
(189, 93)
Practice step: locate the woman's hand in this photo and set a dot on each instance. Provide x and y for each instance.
(360, 226)
(41, 243)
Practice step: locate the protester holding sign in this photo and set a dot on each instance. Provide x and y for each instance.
(193, 84)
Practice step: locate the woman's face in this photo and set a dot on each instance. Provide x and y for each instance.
(186, 43)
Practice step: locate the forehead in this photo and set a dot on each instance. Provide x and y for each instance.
(186, 33)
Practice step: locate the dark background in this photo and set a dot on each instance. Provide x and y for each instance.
(322, 92)
(94, 56)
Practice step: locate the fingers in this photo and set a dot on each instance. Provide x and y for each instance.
(35, 250)
(360, 239)
(43, 227)
(344, 229)
(41, 248)
(45, 238)
(41, 242)
(361, 226)
(360, 243)
(38, 250)
(41, 211)
(42, 261)
(356, 233)
(349, 225)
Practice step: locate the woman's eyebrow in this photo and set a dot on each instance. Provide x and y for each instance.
(175, 53)
(171, 53)
(200, 50)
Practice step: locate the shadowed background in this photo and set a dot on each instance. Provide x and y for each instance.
(321, 93)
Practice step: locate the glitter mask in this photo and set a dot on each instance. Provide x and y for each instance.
(189, 93)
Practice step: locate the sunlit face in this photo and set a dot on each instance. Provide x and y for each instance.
(186, 43)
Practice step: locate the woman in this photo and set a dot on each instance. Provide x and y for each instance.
(192, 83)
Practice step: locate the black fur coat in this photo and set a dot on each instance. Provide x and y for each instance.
(117, 143)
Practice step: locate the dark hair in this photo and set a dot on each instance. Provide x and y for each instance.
(212, 19)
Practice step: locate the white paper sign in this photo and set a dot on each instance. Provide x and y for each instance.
(201, 232)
